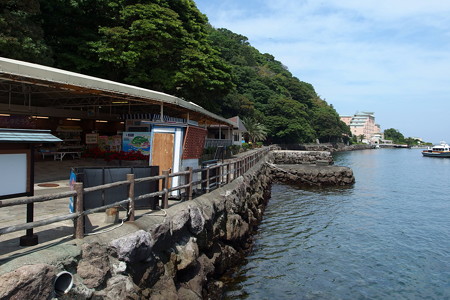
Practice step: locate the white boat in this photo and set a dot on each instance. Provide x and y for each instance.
(441, 150)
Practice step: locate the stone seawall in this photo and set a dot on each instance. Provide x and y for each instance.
(301, 157)
(325, 147)
(174, 254)
(312, 175)
(178, 253)
(308, 168)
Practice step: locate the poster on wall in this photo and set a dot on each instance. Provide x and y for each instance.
(110, 143)
(13, 174)
(91, 138)
(136, 141)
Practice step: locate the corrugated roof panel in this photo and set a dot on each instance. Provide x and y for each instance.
(27, 136)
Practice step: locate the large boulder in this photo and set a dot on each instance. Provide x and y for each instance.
(164, 289)
(236, 228)
(197, 223)
(119, 287)
(186, 252)
(94, 265)
(28, 282)
(132, 248)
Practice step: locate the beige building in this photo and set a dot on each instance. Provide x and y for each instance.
(362, 124)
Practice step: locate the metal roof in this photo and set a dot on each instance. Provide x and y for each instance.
(32, 85)
(27, 136)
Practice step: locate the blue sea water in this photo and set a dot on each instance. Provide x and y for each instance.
(386, 237)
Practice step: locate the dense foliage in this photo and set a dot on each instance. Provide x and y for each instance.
(170, 47)
(398, 138)
(394, 135)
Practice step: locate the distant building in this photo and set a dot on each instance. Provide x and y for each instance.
(362, 124)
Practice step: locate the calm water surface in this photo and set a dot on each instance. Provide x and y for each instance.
(387, 237)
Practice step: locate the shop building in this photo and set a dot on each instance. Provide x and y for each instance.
(87, 112)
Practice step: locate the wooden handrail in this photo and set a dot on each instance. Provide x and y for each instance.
(35, 224)
(234, 168)
(33, 199)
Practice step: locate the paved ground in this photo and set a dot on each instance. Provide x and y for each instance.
(55, 173)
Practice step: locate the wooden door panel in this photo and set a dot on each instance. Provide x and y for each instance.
(162, 151)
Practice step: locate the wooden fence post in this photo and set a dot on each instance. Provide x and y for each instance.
(189, 181)
(220, 174)
(228, 172)
(131, 206)
(79, 206)
(241, 166)
(165, 187)
(207, 179)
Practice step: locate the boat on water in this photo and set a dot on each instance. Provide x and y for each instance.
(402, 146)
(441, 150)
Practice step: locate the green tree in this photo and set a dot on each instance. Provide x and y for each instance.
(256, 131)
(394, 135)
(288, 107)
(21, 34)
(288, 121)
(69, 27)
(163, 45)
(327, 123)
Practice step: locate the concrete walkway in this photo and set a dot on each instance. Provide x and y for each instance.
(50, 177)
(50, 173)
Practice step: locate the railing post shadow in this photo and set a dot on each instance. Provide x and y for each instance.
(165, 188)
(79, 206)
(131, 205)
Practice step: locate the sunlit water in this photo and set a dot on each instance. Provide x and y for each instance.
(387, 237)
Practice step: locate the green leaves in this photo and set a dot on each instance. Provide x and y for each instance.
(266, 90)
(327, 123)
(21, 35)
(256, 131)
(394, 135)
(170, 47)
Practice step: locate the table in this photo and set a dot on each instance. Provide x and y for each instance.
(59, 155)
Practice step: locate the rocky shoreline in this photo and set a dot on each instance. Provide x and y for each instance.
(329, 147)
(312, 175)
(179, 253)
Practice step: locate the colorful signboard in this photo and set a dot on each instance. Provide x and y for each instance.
(137, 141)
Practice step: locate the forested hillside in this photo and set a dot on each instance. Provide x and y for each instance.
(170, 47)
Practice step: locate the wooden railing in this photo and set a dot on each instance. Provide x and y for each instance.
(211, 177)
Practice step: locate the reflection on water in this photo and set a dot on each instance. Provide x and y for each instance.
(387, 237)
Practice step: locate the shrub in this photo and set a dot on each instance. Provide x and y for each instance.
(114, 155)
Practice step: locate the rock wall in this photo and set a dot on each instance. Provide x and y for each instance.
(301, 157)
(312, 175)
(178, 253)
(325, 147)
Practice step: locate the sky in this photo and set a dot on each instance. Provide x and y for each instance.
(390, 57)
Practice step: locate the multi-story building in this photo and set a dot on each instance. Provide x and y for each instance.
(362, 125)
